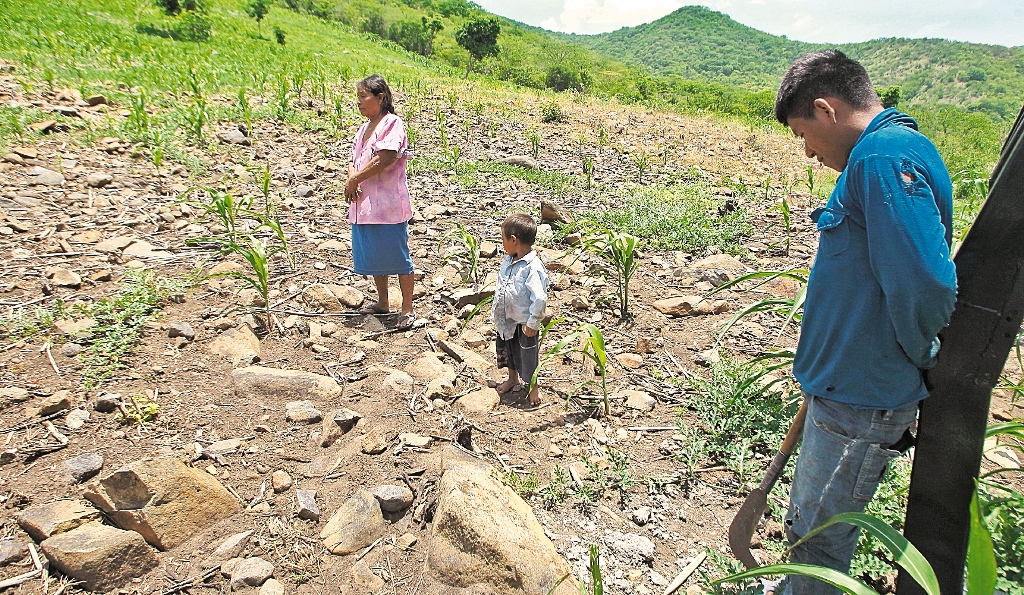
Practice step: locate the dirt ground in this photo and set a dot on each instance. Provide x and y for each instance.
(60, 227)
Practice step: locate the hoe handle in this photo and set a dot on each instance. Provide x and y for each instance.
(788, 446)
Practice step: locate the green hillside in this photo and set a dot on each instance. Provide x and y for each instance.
(700, 44)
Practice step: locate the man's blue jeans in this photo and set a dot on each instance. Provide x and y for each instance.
(843, 455)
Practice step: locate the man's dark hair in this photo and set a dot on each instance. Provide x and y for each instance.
(828, 73)
(376, 85)
(520, 225)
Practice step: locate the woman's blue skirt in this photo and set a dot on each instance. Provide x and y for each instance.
(381, 249)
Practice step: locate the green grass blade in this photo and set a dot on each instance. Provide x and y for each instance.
(904, 553)
(835, 578)
(981, 558)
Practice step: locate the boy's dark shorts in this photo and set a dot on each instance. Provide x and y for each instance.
(519, 353)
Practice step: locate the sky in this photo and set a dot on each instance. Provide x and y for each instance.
(999, 22)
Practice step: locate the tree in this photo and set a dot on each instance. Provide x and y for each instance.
(480, 38)
(258, 9)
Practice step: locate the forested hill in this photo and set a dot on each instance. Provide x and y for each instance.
(697, 43)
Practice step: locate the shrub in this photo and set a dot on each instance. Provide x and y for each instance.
(192, 26)
(279, 35)
(550, 111)
(173, 7)
(563, 77)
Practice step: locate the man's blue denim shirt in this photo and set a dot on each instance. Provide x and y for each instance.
(883, 283)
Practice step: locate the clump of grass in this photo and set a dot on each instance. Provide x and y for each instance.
(680, 217)
(25, 323)
(119, 322)
(550, 111)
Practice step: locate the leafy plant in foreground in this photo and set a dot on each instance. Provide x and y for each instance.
(619, 250)
(467, 250)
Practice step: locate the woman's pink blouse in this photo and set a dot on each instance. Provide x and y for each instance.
(385, 196)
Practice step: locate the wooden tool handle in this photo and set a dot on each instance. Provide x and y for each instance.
(796, 430)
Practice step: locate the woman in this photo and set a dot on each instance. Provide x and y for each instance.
(378, 196)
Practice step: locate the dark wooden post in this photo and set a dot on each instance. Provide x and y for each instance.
(975, 345)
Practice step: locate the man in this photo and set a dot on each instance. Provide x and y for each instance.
(881, 288)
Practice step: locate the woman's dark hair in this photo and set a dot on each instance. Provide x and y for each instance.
(376, 85)
(828, 73)
(520, 225)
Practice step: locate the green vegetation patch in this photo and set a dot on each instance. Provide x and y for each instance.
(680, 217)
(119, 322)
(474, 174)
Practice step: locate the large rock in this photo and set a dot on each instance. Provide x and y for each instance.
(718, 261)
(557, 261)
(162, 499)
(472, 295)
(100, 556)
(45, 177)
(357, 524)
(393, 498)
(349, 296)
(690, 305)
(82, 467)
(259, 382)
(551, 213)
(41, 521)
(318, 297)
(466, 355)
(251, 572)
(302, 412)
(485, 534)
(98, 179)
(239, 345)
(524, 161)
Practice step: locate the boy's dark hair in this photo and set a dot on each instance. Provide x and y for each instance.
(520, 225)
(376, 85)
(827, 73)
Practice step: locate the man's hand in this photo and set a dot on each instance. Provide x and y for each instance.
(529, 332)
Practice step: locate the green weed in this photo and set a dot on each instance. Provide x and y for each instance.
(550, 111)
(533, 137)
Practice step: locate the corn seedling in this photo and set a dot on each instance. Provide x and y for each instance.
(476, 310)
(467, 250)
(791, 308)
(452, 155)
(413, 134)
(256, 253)
(619, 250)
(439, 115)
(533, 137)
(282, 96)
(592, 347)
(197, 115)
(245, 110)
(264, 181)
(453, 99)
(138, 117)
(642, 162)
(602, 137)
(492, 129)
(594, 569)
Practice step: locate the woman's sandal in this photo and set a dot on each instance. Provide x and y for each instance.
(406, 321)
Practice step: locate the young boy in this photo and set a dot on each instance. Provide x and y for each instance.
(520, 295)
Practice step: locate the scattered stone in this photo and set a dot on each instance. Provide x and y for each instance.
(72, 327)
(12, 550)
(485, 533)
(488, 249)
(280, 481)
(374, 443)
(304, 191)
(306, 505)
(336, 245)
(719, 261)
(14, 158)
(162, 499)
(181, 329)
(480, 401)
(40, 176)
(641, 516)
(26, 152)
(273, 587)
(234, 137)
(406, 541)
(632, 548)
(554, 451)
(550, 213)
(559, 262)
(580, 302)
(82, 467)
(471, 296)
(256, 382)
(13, 394)
(229, 565)
(428, 367)
(365, 579)
(223, 447)
(41, 521)
(630, 360)
(393, 498)
(229, 548)
(474, 339)
(70, 350)
(100, 556)
(98, 179)
(94, 100)
(320, 466)
(350, 297)
(524, 161)
(357, 524)
(638, 399)
(58, 401)
(251, 572)
(398, 382)
(337, 423)
(472, 359)
(107, 403)
(415, 440)
(239, 345)
(690, 305)
(302, 412)
(64, 278)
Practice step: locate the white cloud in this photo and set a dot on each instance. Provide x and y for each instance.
(593, 16)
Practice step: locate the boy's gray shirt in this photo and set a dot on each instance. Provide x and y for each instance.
(520, 294)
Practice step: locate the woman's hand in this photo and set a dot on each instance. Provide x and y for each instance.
(529, 332)
(352, 187)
